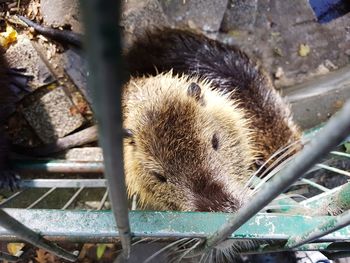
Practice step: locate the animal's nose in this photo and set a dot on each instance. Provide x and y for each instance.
(226, 204)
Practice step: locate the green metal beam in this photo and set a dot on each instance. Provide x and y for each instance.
(99, 226)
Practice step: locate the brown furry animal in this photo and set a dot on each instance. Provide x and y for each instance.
(228, 69)
(183, 133)
(199, 113)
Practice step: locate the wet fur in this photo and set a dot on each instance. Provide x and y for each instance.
(228, 68)
(164, 66)
(167, 163)
(172, 138)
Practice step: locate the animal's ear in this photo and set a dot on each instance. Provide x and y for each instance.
(127, 133)
(194, 91)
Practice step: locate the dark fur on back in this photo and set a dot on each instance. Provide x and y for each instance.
(229, 69)
(7, 100)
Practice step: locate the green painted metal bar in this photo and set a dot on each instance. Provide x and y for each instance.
(99, 226)
(323, 246)
(333, 133)
(331, 225)
(106, 77)
(18, 228)
(332, 202)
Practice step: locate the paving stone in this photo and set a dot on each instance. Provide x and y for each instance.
(315, 101)
(205, 15)
(279, 30)
(24, 55)
(65, 12)
(52, 116)
(140, 15)
(240, 15)
(85, 154)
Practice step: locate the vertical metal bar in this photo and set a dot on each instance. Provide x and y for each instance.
(31, 237)
(103, 46)
(333, 133)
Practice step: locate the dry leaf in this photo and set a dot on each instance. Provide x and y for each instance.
(14, 248)
(8, 37)
(304, 50)
(41, 256)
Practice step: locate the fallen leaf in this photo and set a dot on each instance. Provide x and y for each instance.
(8, 37)
(304, 50)
(41, 256)
(101, 248)
(14, 248)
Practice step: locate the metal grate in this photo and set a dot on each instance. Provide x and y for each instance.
(288, 221)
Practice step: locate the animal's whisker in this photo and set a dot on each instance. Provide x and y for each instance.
(165, 248)
(204, 257)
(279, 151)
(186, 251)
(278, 160)
(271, 174)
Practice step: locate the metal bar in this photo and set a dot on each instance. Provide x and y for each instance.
(331, 135)
(103, 44)
(333, 169)
(41, 198)
(341, 154)
(71, 200)
(313, 201)
(63, 183)
(330, 204)
(7, 257)
(332, 224)
(103, 200)
(99, 226)
(278, 248)
(58, 166)
(316, 185)
(14, 227)
(7, 200)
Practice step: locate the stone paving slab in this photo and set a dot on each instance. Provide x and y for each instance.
(52, 116)
(24, 55)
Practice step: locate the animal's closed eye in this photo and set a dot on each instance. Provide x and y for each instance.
(160, 177)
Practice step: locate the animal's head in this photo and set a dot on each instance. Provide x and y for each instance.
(188, 147)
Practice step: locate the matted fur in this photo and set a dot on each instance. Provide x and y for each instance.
(228, 68)
(170, 162)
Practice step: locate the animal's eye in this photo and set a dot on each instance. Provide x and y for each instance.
(160, 177)
(215, 142)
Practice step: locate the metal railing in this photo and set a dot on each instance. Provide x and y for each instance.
(106, 78)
